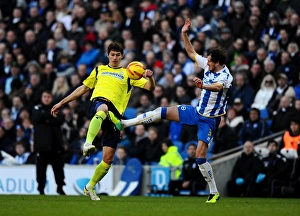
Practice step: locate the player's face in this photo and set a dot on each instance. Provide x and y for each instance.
(212, 65)
(115, 58)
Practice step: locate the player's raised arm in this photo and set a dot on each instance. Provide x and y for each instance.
(81, 90)
(187, 44)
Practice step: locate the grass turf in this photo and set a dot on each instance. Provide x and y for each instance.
(144, 206)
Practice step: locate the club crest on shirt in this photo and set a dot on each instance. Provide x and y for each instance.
(183, 108)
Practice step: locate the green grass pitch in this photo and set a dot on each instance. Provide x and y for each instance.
(144, 206)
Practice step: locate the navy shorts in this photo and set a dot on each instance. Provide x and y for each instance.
(111, 135)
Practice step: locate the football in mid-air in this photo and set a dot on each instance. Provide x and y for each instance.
(135, 70)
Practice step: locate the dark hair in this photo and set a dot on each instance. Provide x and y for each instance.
(122, 147)
(192, 144)
(115, 46)
(295, 120)
(272, 141)
(256, 110)
(47, 92)
(217, 54)
(167, 142)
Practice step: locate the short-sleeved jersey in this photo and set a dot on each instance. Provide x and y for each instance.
(112, 84)
(212, 104)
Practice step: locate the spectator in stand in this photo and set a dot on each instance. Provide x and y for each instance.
(291, 137)
(264, 94)
(121, 157)
(217, 13)
(253, 30)
(285, 113)
(9, 128)
(233, 120)
(50, 21)
(225, 138)
(31, 46)
(255, 77)
(179, 75)
(238, 19)
(273, 26)
(42, 34)
(60, 88)
(74, 51)
(261, 56)
(182, 96)
(89, 57)
(240, 108)
(291, 70)
(239, 64)
(283, 89)
(158, 94)
(235, 49)
(284, 39)
(274, 51)
(269, 68)
(293, 50)
(145, 104)
(253, 128)
(187, 64)
(138, 144)
(65, 67)
(52, 51)
(275, 169)
(153, 148)
(191, 178)
(14, 84)
(171, 158)
(245, 172)
(226, 38)
(22, 153)
(131, 21)
(241, 89)
(17, 106)
(297, 104)
(6, 143)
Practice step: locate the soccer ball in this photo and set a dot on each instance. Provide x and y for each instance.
(135, 70)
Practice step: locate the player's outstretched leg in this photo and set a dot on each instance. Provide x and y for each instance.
(145, 118)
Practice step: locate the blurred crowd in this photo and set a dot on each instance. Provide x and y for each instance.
(54, 45)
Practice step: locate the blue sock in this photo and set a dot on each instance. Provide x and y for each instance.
(200, 160)
(163, 113)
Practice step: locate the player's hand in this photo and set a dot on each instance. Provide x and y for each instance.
(148, 73)
(198, 82)
(186, 25)
(55, 109)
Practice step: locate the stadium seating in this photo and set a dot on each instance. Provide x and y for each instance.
(264, 114)
(97, 156)
(178, 144)
(130, 181)
(130, 112)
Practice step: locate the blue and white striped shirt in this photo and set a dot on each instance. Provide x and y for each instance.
(212, 104)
